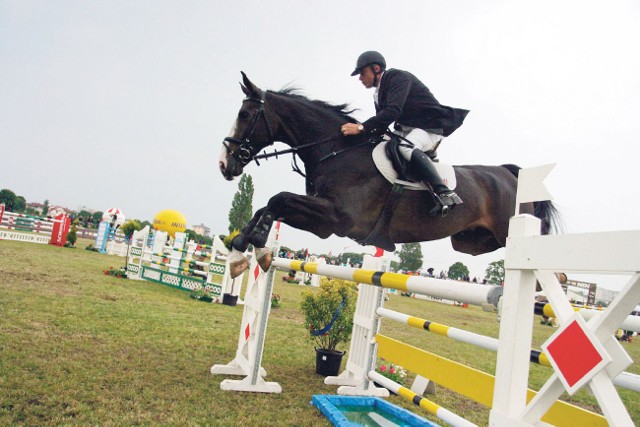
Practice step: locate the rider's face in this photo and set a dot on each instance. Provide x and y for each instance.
(367, 77)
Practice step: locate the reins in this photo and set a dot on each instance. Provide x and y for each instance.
(294, 151)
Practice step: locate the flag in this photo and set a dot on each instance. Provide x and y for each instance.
(531, 187)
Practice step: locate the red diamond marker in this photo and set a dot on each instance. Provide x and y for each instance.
(575, 354)
(247, 332)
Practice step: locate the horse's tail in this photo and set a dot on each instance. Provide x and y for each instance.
(545, 210)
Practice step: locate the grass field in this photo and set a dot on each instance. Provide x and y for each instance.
(81, 348)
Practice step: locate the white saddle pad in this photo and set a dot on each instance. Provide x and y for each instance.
(385, 167)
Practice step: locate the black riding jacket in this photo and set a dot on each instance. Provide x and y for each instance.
(405, 100)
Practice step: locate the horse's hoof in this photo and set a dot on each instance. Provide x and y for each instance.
(238, 267)
(265, 261)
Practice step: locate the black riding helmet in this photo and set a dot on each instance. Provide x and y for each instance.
(369, 57)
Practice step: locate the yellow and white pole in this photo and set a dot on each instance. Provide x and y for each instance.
(431, 407)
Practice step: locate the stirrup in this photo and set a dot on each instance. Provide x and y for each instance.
(445, 202)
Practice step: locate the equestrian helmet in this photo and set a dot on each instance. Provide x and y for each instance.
(369, 57)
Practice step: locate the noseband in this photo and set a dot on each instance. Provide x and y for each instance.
(245, 151)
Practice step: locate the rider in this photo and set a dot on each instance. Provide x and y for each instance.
(419, 118)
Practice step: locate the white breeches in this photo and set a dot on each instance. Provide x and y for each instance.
(421, 139)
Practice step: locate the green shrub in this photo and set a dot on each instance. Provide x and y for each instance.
(201, 295)
(276, 300)
(319, 307)
(72, 236)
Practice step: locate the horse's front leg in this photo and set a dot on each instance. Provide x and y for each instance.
(238, 263)
(308, 213)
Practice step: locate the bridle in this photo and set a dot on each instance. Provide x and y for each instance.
(245, 152)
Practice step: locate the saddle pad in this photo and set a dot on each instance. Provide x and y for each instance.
(385, 167)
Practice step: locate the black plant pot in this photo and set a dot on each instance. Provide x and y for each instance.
(228, 299)
(328, 362)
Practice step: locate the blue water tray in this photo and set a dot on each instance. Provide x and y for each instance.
(357, 411)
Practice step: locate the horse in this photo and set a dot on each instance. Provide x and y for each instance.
(345, 193)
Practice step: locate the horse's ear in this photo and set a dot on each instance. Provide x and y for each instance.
(248, 87)
(245, 90)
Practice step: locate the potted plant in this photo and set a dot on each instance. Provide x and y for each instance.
(328, 313)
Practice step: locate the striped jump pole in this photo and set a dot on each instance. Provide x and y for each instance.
(187, 251)
(447, 289)
(188, 261)
(181, 269)
(429, 406)
(631, 323)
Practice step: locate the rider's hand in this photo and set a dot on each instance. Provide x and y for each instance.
(351, 129)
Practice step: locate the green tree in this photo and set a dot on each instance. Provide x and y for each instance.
(97, 217)
(198, 238)
(85, 218)
(130, 226)
(458, 271)
(495, 272)
(410, 255)
(242, 205)
(45, 207)
(72, 236)
(20, 204)
(354, 258)
(8, 197)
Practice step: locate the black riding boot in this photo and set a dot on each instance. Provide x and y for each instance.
(445, 199)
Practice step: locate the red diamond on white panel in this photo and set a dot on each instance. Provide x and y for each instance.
(576, 354)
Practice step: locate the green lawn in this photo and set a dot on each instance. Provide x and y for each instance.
(81, 348)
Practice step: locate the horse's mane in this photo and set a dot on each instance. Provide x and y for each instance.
(341, 110)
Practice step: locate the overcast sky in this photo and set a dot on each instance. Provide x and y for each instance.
(125, 103)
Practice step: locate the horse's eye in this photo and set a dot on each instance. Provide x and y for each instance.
(243, 114)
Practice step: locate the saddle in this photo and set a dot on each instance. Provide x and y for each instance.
(400, 165)
(390, 163)
(396, 170)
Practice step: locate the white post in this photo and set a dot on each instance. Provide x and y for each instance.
(512, 366)
(253, 330)
(362, 351)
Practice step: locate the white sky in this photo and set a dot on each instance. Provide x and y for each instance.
(125, 103)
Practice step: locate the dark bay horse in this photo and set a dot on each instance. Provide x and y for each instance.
(346, 193)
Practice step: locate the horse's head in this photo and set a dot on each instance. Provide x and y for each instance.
(251, 132)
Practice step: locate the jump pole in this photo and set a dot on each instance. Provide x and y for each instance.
(429, 406)
(631, 323)
(458, 291)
